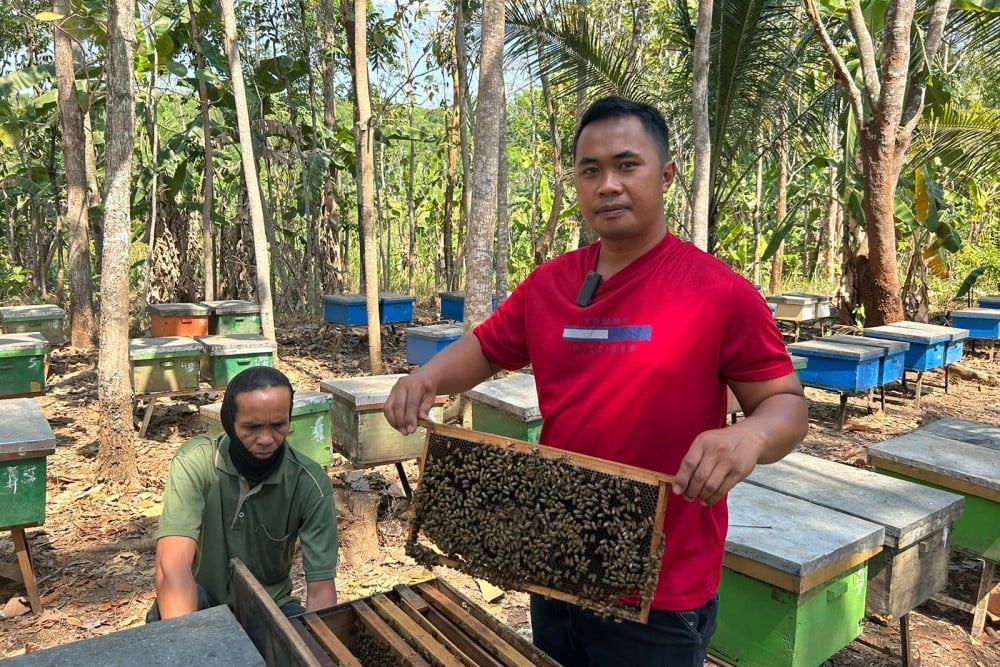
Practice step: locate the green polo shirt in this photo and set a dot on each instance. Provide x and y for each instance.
(207, 500)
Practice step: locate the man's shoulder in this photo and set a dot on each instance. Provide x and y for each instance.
(200, 446)
(308, 471)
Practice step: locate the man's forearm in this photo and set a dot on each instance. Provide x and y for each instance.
(784, 418)
(176, 596)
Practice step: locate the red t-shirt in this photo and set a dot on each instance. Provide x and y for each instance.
(635, 376)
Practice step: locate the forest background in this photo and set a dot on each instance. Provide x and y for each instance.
(278, 151)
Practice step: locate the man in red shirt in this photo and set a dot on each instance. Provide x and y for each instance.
(633, 341)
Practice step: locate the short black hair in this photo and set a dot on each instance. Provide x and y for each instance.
(252, 379)
(619, 107)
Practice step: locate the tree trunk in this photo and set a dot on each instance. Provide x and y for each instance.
(116, 454)
(543, 249)
(364, 146)
(261, 251)
(503, 208)
(329, 242)
(450, 271)
(780, 209)
(465, 116)
(701, 181)
(483, 218)
(74, 157)
(208, 177)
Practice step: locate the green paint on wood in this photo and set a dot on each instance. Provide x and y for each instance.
(975, 531)
(488, 419)
(243, 323)
(164, 371)
(764, 626)
(22, 492)
(51, 327)
(218, 370)
(22, 372)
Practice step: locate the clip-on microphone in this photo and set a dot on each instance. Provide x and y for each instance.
(588, 289)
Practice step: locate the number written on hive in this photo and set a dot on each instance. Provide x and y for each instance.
(25, 478)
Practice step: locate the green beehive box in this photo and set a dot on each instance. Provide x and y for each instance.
(794, 580)
(25, 440)
(46, 320)
(223, 357)
(170, 363)
(310, 428)
(233, 316)
(508, 407)
(360, 432)
(22, 364)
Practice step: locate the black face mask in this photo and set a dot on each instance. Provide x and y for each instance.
(248, 465)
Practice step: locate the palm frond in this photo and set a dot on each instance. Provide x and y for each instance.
(967, 141)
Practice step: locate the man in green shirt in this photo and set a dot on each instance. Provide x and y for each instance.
(245, 494)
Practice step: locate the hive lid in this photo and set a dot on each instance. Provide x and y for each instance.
(24, 431)
(990, 301)
(231, 307)
(303, 402)
(218, 345)
(908, 511)
(976, 433)
(977, 313)
(436, 331)
(458, 295)
(41, 311)
(921, 453)
(388, 297)
(790, 298)
(953, 333)
(344, 298)
(821, 347)
(514, 394)
(794, 536)
(31, 340)
(178, 309)
(891, 346)
(818, 298)
(366, 391)
(165, 346)
(908, 334)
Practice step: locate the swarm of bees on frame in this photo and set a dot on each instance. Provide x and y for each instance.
(372, 651)
(519, 519)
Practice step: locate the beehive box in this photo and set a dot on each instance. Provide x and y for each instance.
(395, 308)
(989, 301)
(233, 316)
(794, 580)
(913, 564)
(309, 433)
(890, 366)
(539, 519)
(953, 349)
(982, 323)
(178, 319)
(926, 350)
(974, 433)
(971, 470)
(453, 305)
(46, 320)
(25, 440)
(508, 407)
(360, 432)
(794, 308)
(823, 309)
(838, 366)
(22, 364)
(223, 357)
(422, 343)
(165, 364)
(345, 309)
(420, 624)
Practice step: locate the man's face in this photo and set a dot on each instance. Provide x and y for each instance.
(262, 419)
(620, 180)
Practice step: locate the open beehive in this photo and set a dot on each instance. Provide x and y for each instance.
(533, 518)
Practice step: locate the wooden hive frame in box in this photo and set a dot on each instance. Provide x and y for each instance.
(539, 519)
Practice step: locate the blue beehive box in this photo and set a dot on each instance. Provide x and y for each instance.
(394, 308)
(890, 367)
(838, 366)
(953, 349)
(346, 309)
(990, 301)
(422, 343)
(981, 322)
(453, 305)
(926, 351)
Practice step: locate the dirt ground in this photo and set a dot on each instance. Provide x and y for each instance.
(94, 554)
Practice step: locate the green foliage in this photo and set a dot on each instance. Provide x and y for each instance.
(13, 280)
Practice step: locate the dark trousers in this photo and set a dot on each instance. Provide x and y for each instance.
(575, 637)
(257, 633)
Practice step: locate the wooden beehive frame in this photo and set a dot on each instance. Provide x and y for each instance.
(630, 473)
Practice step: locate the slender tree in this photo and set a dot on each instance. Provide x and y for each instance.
(701, 181)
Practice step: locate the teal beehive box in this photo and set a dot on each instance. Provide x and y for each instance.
(44, 319)
(309, 432)
(223, 357)
(233, 316)
(507, 406)
(22, 364)
(26, 439)
(794, 580)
